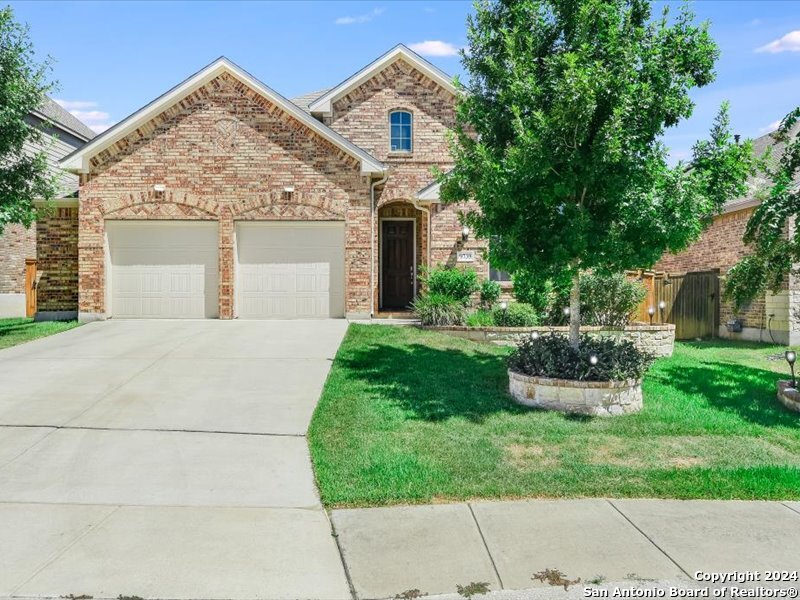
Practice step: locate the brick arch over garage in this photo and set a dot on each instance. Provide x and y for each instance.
(153, 205)
(280, 205)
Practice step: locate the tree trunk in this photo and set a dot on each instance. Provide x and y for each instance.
(575, 311)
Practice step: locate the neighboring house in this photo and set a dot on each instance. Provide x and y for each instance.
(28, 257)
(771, 317)
(223, 199)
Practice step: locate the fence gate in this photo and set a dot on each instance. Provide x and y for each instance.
(692, 303)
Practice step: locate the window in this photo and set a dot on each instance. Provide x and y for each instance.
(400, 124)
(497, 275)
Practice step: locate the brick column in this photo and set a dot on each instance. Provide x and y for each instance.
(226, 258)
(91, 260)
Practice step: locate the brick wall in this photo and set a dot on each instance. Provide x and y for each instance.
(362, 116)
(720, 247)
(224, 153)
(57, 266)
(16, 244)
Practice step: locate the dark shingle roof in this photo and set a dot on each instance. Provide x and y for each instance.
(306, 99)
(60, 116)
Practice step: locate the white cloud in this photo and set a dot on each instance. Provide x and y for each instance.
(434, 48)
(788, 43)
(771, 127)
(86, 112)
(358, 19)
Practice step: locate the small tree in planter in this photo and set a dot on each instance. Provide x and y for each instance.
(557, 137)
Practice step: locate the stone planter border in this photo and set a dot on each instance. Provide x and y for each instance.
(788, 396)
(658, 340)
(594, 398)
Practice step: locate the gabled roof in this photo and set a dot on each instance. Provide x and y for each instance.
(78, 161)
(323, 104)
(306, 99)
(60, 117)
(430, 193)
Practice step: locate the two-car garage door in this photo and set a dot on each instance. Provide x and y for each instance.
(170, 269)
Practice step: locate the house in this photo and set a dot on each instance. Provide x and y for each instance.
(223, 199)
(35, 274)
(773, 317)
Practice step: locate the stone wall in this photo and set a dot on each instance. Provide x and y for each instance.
(657, 340)
(594, 398)
(788, 396)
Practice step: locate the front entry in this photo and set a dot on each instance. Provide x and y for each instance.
(397, 264)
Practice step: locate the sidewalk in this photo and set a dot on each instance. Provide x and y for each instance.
(434, 548)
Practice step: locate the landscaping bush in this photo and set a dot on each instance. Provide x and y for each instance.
(480, 318)
(458, 284)
(439, 309)
(551, 356)
(490, 293)
(517, 314)
(609, 300)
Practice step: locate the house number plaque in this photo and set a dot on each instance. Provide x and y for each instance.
(465, 256)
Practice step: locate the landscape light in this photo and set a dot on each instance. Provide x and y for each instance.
(566, 311)
(593, 359)
(662, 305)
(534, 335)
(651, 311)
(791, 357)
(503, 305)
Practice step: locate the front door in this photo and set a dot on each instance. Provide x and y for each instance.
(397, 268)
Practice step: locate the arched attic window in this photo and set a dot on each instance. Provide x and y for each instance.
(400, 131)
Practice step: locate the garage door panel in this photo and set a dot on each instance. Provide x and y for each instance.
(290, 270)
(164, 269)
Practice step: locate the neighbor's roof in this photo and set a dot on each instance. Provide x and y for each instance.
(759, 181)
(59, 116)
(306, 99)
(78, 161)
(322, 105)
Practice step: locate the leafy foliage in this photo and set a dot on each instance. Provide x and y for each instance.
(24, 176)
(435, 309)
(557, 139)
(490, 293)
(551, 355)
(609, 300)
(516, 314)
(774, 252)
(480, 318)
(458, 284)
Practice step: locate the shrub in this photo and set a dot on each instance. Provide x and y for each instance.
(517, 314)
(609, 300)
(490, 293)
(458, 284)
(551, 356)
(439, 309)
(480, 318)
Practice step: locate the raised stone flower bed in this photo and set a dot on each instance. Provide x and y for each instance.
(596, 398)
(657, 340)
(788, 396)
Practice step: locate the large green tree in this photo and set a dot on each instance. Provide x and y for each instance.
(772, 231)
(24, 175)
(558, 133)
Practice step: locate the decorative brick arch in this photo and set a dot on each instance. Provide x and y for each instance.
(277, 204)
(166, 205)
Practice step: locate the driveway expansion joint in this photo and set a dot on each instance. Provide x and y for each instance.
(486, 546)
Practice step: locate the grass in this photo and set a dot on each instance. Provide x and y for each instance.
(412, 416)
(19, 331)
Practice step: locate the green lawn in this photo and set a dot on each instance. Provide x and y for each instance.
(18, 331)
(415, 416)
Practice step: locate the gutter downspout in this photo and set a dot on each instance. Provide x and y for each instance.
(372, 232)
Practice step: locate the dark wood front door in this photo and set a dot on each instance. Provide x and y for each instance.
(397, 268)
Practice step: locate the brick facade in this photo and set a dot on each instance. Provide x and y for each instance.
(57, 266)
(16, 244)
(719, 248)
(362, 116)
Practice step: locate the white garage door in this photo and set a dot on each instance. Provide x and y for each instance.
(290, 270)
(163, 269)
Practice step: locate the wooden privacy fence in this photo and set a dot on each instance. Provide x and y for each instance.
(691, 302)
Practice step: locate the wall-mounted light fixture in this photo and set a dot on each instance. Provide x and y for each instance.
(159, 188)
(288, 189)
(465, 234)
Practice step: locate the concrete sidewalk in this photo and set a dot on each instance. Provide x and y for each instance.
(434, 548)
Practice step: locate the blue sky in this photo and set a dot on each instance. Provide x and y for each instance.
(114, 57)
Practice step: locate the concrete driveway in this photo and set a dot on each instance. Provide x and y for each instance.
(166, 459)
